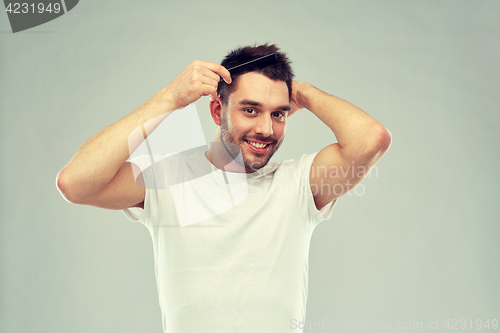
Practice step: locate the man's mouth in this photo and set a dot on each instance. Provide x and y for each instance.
(258, 147)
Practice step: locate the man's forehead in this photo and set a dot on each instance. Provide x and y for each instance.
(260, 89)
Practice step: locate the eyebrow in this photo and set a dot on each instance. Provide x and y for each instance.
(257, 104)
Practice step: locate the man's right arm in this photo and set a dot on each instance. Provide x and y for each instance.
(98, 174)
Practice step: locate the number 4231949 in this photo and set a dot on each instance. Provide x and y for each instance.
(455, 324)
(24, 8)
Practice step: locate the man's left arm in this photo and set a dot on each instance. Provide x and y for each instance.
(362, 141)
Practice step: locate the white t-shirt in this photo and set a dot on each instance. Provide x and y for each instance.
(241, 266)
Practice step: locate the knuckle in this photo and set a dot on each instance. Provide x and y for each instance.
(197, 68)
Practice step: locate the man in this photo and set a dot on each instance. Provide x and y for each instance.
(244, 266)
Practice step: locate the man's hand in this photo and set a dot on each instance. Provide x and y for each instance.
(198, 79)
(297, 100)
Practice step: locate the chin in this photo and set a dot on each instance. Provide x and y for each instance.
(256, 163)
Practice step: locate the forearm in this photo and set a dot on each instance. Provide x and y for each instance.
(359, 134)
(97, 161)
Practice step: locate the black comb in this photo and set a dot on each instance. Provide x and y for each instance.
(256, 63)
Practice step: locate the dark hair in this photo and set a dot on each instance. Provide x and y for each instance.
(281, 70)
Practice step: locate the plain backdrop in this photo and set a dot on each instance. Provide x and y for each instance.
(419, 242)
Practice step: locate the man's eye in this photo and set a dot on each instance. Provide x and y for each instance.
(278, 114)
(251, 111)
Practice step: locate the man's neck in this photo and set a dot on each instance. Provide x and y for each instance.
(220, 158)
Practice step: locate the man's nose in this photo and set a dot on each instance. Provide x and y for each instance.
(264, 126)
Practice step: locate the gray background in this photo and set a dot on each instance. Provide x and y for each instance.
(421, 243)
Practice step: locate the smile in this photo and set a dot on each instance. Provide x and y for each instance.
(258, 147)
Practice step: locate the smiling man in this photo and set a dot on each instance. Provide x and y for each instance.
(252, 118)
(243, 267)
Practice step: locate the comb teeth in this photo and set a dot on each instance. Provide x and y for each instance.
(256, 63)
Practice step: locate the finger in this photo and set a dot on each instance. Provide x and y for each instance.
(219, 70)
(214, 82)
(224, 73)
(209, 90)
(209, 75)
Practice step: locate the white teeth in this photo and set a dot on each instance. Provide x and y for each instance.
(258, 145)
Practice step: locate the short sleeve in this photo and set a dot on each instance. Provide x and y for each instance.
(316, 216)
(152, 182)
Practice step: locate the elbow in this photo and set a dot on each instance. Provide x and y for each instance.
(63, 184)
(384, 139)
(379, 142)
(370, 147)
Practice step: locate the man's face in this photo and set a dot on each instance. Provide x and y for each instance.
(254, 119)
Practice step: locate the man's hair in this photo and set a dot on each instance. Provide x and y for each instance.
(281, 70)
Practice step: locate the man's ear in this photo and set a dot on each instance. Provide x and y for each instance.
(216, 110)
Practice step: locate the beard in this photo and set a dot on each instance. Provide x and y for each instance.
(234, 147)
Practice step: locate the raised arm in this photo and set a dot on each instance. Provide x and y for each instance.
(362, 141)
(98, 175)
